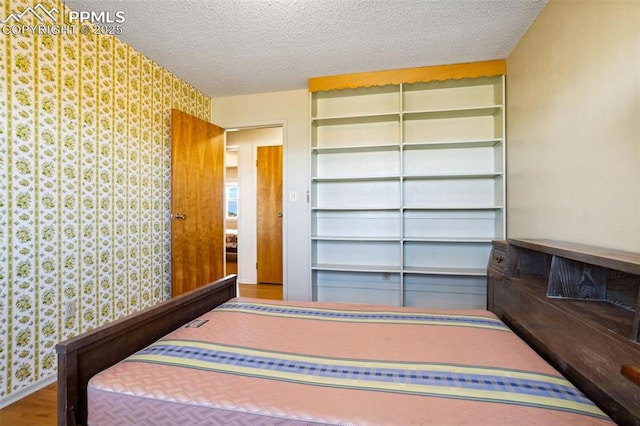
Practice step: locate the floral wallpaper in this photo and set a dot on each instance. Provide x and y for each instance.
(84, 189)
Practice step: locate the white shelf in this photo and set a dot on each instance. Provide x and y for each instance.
(339, 120)
(363, 101)
(464, 93)
(378, 163)
(478, 272)
(358, 238)
(354, 178)
(403, 239)
(454, 208)
(356, 194)
(407, 192)
(453, 125)
(354, 209)
(444, 175)
(354, 149)
(348, 224)
(447, 240)
(356, 268)
(356, 131)
(428, 114)
(469, 143)
(453, 225)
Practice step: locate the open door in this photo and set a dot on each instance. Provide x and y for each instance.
(269, 214)
(197, 202)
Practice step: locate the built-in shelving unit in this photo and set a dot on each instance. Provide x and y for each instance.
(407, 191)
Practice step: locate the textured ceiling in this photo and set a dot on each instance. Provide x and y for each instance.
(233, 47)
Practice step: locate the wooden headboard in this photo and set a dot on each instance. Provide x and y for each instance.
(82, 357)
(578, 306)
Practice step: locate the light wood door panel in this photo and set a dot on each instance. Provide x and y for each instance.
(197, 202)
(269, 214)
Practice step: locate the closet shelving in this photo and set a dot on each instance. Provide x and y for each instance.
(407, 191)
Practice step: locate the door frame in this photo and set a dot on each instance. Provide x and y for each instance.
(230, 127)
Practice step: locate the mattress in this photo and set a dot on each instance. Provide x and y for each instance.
(253, 361)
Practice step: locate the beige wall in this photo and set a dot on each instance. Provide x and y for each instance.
(291, 110)
(573, 125)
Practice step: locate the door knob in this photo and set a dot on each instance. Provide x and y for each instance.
(279, 214)
(180, 216)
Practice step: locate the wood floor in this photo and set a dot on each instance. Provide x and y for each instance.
(262, 291)
(39, 409)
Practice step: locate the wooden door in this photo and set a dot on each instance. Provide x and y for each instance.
(269, 214)
(197, 202)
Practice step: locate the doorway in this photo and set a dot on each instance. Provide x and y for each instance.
(244, 218)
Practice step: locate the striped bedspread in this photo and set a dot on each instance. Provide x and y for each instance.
(374, 316)
(278, 362)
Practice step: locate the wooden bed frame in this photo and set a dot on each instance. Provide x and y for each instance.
(578, 306)
(81, 357)
(587, 328)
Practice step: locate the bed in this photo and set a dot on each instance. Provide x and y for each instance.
(254, 361)
(231, 240)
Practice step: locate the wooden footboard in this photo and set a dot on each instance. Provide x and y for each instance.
(82, 357)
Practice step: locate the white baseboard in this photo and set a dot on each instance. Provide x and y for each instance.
(32, 388)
